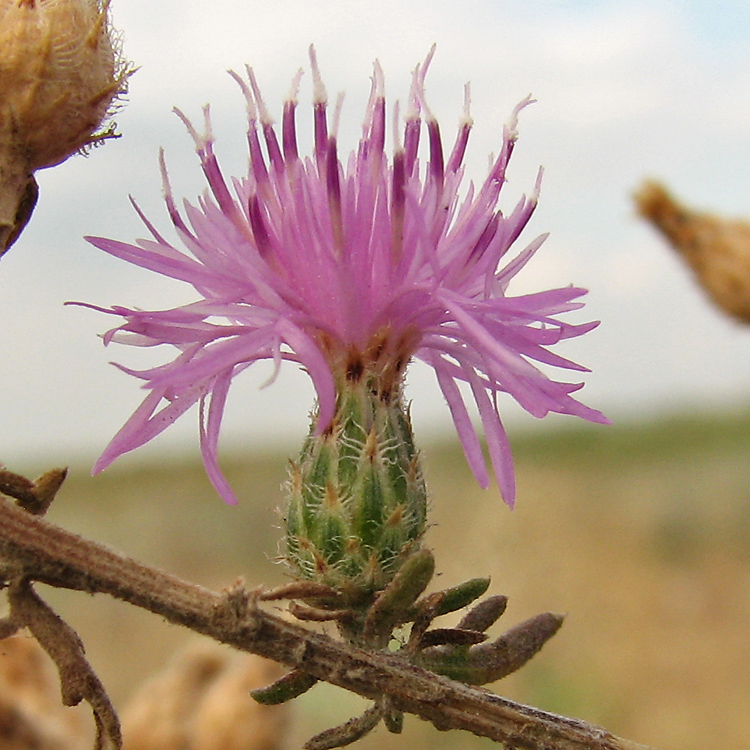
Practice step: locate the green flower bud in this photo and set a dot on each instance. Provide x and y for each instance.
(357, 500)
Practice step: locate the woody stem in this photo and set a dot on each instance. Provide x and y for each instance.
(35, 549)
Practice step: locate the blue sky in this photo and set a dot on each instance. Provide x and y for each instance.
(625, 90)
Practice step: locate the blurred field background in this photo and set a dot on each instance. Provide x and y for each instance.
(640, 532)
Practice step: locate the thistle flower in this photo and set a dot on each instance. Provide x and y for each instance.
(350, 268)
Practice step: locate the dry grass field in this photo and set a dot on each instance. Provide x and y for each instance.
(639, 532)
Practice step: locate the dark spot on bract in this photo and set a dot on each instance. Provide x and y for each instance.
(355, 369)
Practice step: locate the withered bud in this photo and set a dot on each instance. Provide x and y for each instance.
(61, 73)
(36, 496)
(717, 249)
(291, 685)
(485, 614)
(491, 661)
(46, 487)
(451, 637)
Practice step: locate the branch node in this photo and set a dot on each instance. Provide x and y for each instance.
(235, 609)
(36, 496)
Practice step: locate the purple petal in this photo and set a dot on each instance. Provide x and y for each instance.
(316, 259)
(209, 436)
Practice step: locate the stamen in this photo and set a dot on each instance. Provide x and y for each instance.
(412, 131)
(258, 225)
(321, 133)
(459, 150)
(269, 135)
(294, 90)
(398, 201)
(265, 116)
(426, 64)
(466, 118)
(320, 96)
(437, 168)
(377, 132)
(320, 103)
(257, 163)
(464, 126)
(200, 141)
(337, 116)
(412, 108)
(210, 165)
(174, 214)
(334, 196)
(436, 165)
(333, 184)
(252, 112)
(413, 124)
(496, 177)
(289, 134)
(397, 145)
(376, 109)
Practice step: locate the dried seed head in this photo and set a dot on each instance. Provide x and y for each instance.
(61, 72)
(715, 248)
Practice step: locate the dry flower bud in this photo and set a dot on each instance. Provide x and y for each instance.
(717, 249)
(61, 72)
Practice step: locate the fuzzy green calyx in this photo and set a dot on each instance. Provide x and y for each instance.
(357, 500)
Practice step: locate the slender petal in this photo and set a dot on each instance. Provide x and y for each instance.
(325, 261)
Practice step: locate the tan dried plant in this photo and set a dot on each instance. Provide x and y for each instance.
(61, 75)
(31, 714)
(201, 701)
(716, 249)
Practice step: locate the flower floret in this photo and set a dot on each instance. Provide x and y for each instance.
(325, 262)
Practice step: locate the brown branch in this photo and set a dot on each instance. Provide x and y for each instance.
(38, 550)
(61, 642)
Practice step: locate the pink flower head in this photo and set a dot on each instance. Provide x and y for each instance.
(308, 259)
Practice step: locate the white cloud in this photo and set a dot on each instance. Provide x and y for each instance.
(625, 90)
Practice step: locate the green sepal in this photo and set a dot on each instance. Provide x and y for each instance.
(458, 597)
(454, 598)
(397, 598)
